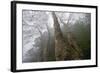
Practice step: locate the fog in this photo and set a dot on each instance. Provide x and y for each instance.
(39, 35)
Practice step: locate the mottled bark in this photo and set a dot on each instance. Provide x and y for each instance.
(59, 40)
(74, 51)
(65, 48)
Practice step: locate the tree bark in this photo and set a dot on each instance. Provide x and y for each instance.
(65, 48)
(59, 40)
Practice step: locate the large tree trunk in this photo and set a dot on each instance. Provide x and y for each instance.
(59, 40)
(65, 48)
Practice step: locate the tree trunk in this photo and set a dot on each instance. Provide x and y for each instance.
(59, 40)
(65, 48)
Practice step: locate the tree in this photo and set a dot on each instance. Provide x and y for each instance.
(66, 47)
